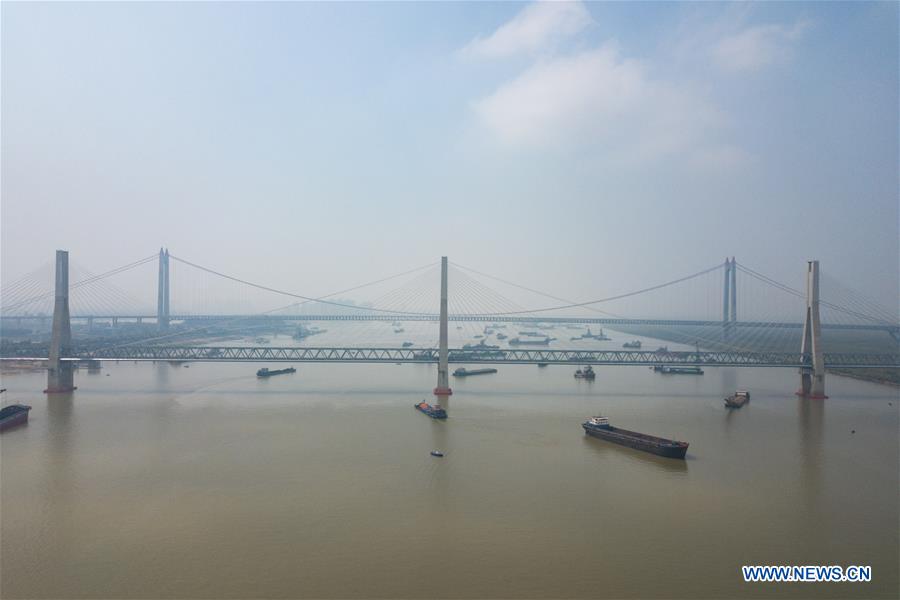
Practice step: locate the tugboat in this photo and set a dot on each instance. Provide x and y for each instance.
(463, 372)
(12, 415)
(265, 372)
(738, 399)
(599, 427)
(585, 373)
(435, 412)
(636, 344)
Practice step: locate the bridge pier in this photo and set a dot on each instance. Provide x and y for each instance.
(162, 299)
(443, 391)
(729, 296)
(812, 375)
(60, 374)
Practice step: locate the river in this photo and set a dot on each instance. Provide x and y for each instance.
(200, 481)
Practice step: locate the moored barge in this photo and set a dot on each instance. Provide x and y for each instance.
(12, 415)
(599, 427)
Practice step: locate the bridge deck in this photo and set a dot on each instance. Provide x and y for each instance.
(501, 356)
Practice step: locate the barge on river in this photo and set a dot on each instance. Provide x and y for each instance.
(599, 427)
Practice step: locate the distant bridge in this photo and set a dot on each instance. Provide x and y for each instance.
(893, 330)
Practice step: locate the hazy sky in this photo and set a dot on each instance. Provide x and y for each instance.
(583, 149)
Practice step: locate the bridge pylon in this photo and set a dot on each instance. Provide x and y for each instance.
(812, 374)
(162, 299)
(443, 391)
(729, 295)
(60, 374)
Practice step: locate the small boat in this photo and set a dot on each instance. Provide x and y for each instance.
(407, 344)
(738, 399)
(585, 373)
(463, 372)
(435, 412)
(437, 453)
(543, 364)
(502, 336)
(594, 336)
(599, 427)
(12, 415)
(635, 344)
(477, 337)
(265, 372)
(398, 330)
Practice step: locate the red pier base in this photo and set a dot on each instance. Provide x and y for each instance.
(443, 392)
(60, 390)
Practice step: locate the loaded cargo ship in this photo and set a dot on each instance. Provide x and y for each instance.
(463, 372)
(599, 427)
(12, 415)
(435, 412)
(740, 398)
(265, 372)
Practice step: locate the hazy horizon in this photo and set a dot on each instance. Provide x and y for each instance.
(583, 149)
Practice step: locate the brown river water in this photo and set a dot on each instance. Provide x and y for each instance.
(160, 481)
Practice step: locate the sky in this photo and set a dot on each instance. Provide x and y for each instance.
(584, 149)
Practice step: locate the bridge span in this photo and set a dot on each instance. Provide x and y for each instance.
(500, 356)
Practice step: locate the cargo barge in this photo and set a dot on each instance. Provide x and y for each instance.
(518, 342)
(678, 370)
(463, 372)
(265, 372)
(12, 415)
(435, 412)
(738, 399)
(599, 427)
(585, 373)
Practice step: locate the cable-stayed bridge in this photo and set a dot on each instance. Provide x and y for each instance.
(782, 327)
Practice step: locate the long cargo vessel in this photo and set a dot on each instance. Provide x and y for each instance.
(599, 427)
(435, 412)
(518, 342)
(265, 372)
(678, 370)
(463, 372)
(12, 415)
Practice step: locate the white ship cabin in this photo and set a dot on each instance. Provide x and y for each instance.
(599, 421)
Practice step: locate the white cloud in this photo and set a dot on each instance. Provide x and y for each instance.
(538, 25)
(756, 47)
(600, 101)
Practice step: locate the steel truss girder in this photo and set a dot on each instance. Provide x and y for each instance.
(501, 356)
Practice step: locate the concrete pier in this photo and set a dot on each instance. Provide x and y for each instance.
(162, 299)
(60, 374)
(812, 377)
(443, 391)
